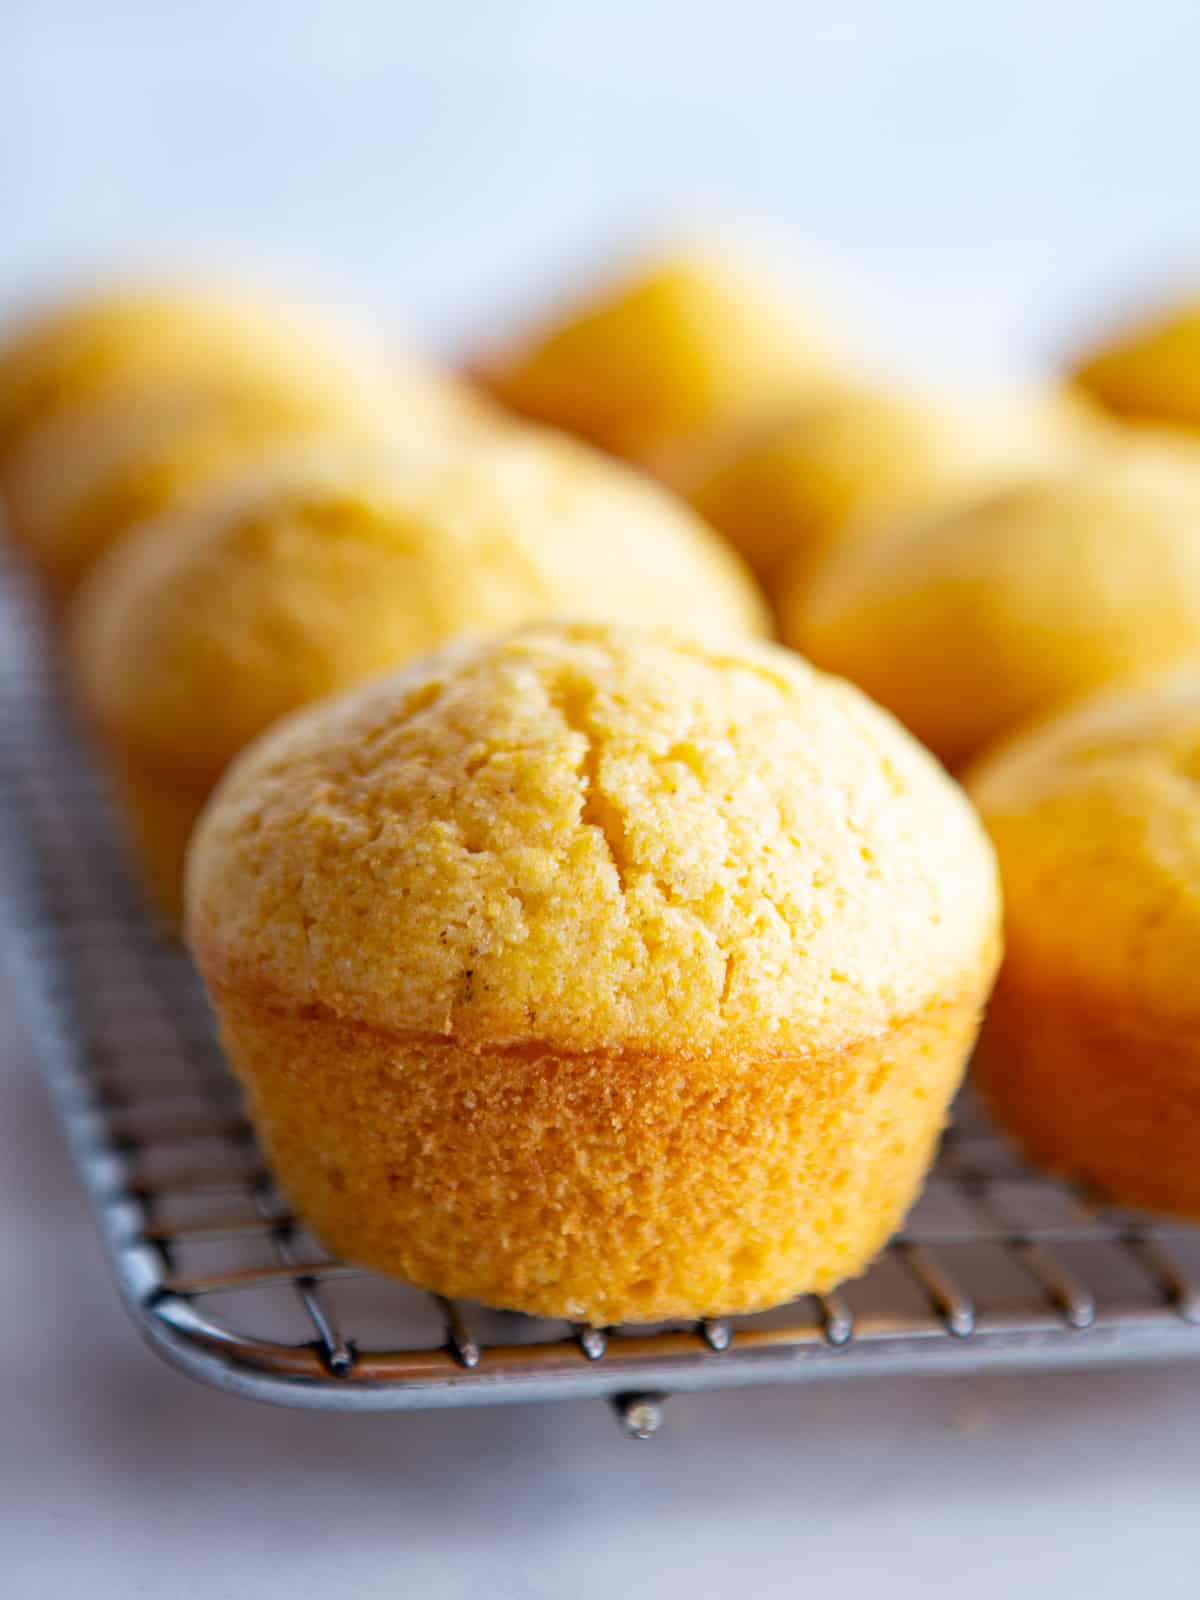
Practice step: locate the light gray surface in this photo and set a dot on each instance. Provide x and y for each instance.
(983, 175)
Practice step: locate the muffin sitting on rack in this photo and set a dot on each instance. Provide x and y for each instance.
(320, 568)
(597, 973)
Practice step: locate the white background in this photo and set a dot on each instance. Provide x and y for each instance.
(984, 178)
(980, 174)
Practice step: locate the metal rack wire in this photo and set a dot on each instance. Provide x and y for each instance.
(997, 1266)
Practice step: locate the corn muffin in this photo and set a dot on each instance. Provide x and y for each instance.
(121, 458)
(597, 973)
(789, 487)
(320, 568)
(199, 333)
(969, 622)
(1091, 1050)
(1149, 372)
(675, 345)
(110, 407)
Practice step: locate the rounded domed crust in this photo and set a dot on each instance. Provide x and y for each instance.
(324, 565)
(595, 839)
(1150, 372)
(130, 452)
(178, 333)
(111, 404)
(789, 488)
(1095, 815)
(1091, 1051)
(969, 623)
(318, 568)
(677, 343)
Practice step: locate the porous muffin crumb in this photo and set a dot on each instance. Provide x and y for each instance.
(613, 974)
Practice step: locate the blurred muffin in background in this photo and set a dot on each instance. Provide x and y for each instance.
(969, 622)
(788, 488)
(1090, 1054)
(676, 344)
(124, 455)
(206, 334)
(322, 567)
(110, 406)
(1150, 371)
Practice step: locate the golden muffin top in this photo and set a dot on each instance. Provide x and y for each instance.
(182, 333)
(599, 837)
(78, 481)
(676, 343)
(1095, 815)
(1150, 371)
(787, 488)
(321, 567)
(970, 622)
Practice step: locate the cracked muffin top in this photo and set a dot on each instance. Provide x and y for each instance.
(322, 567)
(599, 838)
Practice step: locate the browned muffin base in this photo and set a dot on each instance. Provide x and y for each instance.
(603, 1188)
(1095, 1090)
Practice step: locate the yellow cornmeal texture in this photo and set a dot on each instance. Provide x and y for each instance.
(787, 489)
(111, 405)
(1151, 372)
(676, 345)
(172, 332)
(597, 973)
(1091, 1050)
(323, 567)
(967, 624)
(122, 456)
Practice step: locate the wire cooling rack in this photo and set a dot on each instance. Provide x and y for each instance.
(997, 1265)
